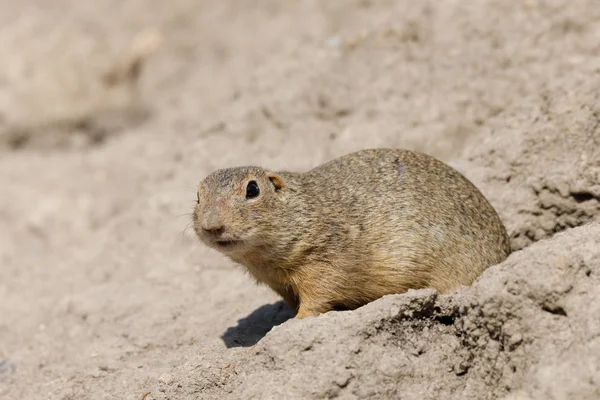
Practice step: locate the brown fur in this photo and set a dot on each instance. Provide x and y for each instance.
(367, 224)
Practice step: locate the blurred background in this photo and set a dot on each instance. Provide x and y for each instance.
(112, 111)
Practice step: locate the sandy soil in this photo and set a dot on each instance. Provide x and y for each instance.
(112, 111)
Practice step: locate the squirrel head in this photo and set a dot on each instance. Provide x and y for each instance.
(237, 208)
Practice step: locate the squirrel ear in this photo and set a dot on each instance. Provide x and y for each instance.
(276, 181)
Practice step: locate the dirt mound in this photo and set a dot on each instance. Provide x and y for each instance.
(541, 161)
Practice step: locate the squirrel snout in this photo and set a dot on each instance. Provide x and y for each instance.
(215, 230)
(211, 224)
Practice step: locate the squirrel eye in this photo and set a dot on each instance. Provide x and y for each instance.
(252, 190)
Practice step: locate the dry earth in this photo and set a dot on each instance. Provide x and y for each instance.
(112, 111)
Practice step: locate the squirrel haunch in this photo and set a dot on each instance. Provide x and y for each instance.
(352, 230)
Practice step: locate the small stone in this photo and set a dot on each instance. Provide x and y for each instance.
(343, 379)
(514, 341)
(461, 368)
(7, 370)
(167, 379)
(334, 42)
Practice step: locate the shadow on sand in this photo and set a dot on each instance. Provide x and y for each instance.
(255, 326)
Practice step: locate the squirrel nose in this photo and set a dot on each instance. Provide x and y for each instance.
(213, 229)
(212, 224)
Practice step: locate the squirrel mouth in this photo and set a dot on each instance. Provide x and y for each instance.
(226, 243)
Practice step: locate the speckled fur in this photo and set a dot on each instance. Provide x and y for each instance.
(367, 224)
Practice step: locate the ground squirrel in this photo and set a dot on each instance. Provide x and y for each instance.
(364, 225)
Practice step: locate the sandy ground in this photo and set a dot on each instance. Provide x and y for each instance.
(112, 111)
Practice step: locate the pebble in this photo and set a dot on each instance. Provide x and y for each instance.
(7, 370)
(167, 379)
